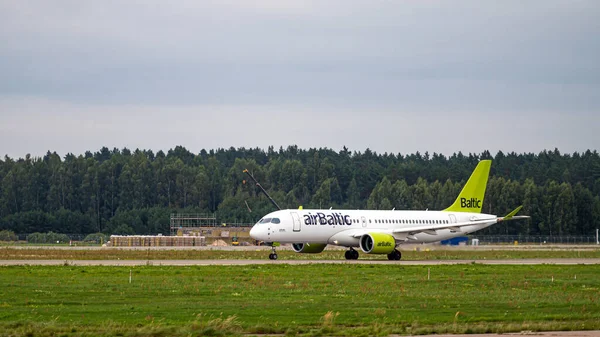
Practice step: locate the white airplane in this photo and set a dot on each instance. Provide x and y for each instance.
(381, 231)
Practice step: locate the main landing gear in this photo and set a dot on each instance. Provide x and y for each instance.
(395, 255)
(351, 254)
(273, 255)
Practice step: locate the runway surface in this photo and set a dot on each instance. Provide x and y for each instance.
(225, 262)
(404, 247)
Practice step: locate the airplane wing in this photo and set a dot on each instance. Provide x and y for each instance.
(409, 231)
(431, 229)
(414, 229)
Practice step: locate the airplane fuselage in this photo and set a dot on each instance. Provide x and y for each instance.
(344, 227)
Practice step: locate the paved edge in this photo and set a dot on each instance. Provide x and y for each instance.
(585, 333)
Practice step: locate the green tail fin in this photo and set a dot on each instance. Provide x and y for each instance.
(470, 198)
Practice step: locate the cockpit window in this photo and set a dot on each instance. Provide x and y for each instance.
(275, 220)
(265, 220)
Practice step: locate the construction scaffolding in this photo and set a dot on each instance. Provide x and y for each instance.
(191, 224)
(156, 241)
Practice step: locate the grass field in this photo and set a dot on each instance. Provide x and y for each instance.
(296, 300)
(11, 253)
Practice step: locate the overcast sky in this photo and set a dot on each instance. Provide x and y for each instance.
(392, 76)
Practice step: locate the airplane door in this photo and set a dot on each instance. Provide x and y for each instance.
(364, 221)
(296, 219)
(452, 218)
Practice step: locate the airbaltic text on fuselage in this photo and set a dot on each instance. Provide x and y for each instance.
(327, 219)
(470, 203)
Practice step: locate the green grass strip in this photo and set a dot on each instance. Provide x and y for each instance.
(341, 300)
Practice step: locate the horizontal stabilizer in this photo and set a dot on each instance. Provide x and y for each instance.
(512, 215)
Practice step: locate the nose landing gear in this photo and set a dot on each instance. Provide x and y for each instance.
(273, 255)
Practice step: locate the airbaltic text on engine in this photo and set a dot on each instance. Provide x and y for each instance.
(470, 203)
(327, 219)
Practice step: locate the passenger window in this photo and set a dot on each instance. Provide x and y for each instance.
(275, 220)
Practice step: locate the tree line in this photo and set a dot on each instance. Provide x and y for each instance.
(120, 191)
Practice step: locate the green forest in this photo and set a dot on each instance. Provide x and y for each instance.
(121, 191)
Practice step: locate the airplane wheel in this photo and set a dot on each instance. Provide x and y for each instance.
(274, 256)
(271, 256)
(348, 255)
(395, 255)
(354, 255)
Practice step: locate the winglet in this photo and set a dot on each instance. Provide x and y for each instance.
(470, 198)
(300, 207)
(511, 214)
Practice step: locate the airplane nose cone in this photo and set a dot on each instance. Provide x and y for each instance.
(260, 233)
(254, 232)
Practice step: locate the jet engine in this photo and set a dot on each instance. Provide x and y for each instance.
(377, 243)
(309, 248)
